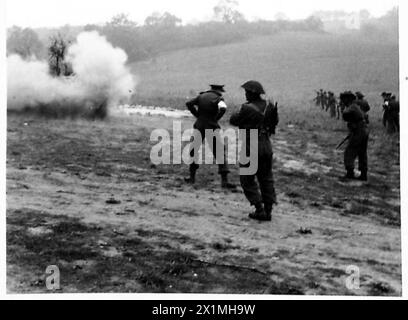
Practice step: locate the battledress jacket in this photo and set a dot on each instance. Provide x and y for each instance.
(363, 104)
(261, 115)
(356, 125)
(207, 112)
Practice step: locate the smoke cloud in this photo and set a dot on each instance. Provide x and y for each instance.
(101, 79)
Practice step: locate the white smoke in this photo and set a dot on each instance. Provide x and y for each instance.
(100, 75)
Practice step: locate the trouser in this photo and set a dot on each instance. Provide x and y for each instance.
(392, 122)
(340, 111)
(333, 111)
(357, 148)
(259, 187)
(199, 136)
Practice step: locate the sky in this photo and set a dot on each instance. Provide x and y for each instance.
(54, 13)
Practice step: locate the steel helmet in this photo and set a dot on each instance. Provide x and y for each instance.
(253, 86)
(347, 96)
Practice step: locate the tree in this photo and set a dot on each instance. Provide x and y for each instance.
(24, 42)
(124, 33)
(57, 51)
(91, 27)
(227, 11)
(314, 23)
(165, 20)
(122, 20)
(281, 16)
(364, 15)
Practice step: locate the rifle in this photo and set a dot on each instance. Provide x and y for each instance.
(342, 142)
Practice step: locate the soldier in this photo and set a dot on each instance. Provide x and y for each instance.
(386, 97)
(332, 104)
(340, 109)
(357, 139)
(324, 101)
(210, 109)
(262, 115)
(318, 98)
(393, 115)
(363, 104)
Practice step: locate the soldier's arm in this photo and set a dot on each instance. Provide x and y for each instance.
(191, 106)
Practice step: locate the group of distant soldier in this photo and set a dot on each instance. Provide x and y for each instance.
(328, 102)
(354, 108)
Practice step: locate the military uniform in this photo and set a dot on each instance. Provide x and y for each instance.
(385, 119)
(262, 115)
(208, 113)
(332, 104)
(393, 116)
(357, 142)
(318, 98)
(340, 109)
(363, 104)
(323, 100)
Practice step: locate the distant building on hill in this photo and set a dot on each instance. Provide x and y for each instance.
(341, 21)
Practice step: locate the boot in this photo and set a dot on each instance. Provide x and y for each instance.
(363, 176)
(191, 179)
(225, 184)
(349, 175)
(268, 211)
(259, 213)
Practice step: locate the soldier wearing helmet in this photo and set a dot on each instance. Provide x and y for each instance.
(262, 115)
(390, 112)
(357, 139)
(393, 125)
(208, 107)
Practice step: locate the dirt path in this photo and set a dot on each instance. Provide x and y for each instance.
(160, 235)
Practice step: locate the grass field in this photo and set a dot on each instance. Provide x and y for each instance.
(161, 235)
(289, 65)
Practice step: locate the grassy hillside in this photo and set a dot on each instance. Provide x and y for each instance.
(290, 65)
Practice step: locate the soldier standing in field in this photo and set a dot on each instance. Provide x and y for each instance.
(324, 100)
(332, 104)
(261, 115)
(393, 110)
(340, 109)
(386, 97)
(363, 104)
(318, 98)
(357, 139)
(208, 107)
